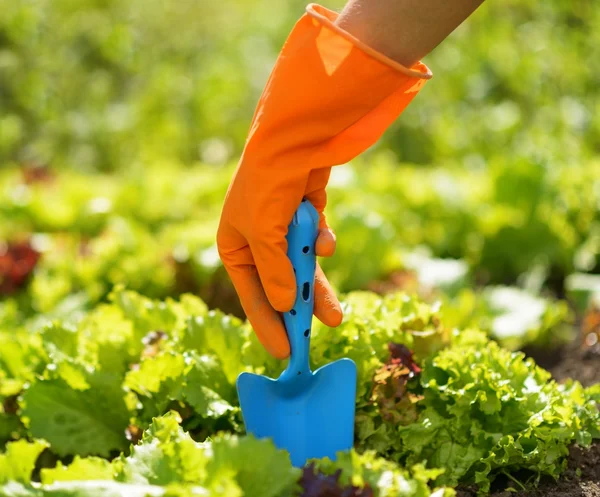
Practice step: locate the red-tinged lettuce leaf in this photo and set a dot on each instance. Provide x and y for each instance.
(384, 478)
(370, 323)
(391, 402)
(317, 484)
(17, 263)
(37, 173)
(390, 393)
(78, 412)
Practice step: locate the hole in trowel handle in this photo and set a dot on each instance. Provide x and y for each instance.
(306, 333)
(306, 291)
(305, 249)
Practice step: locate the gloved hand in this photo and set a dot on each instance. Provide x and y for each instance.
(328, 99)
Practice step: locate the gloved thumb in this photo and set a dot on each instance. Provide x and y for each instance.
(275, 271)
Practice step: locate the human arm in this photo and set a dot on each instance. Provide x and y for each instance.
(404, 30)
(330, 96)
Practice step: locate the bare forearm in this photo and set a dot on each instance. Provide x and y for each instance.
(404, 30)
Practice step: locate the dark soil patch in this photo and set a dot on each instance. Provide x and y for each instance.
(581, 364)
(575, 360)
(582, 478)
(581, 359)
(218, 292)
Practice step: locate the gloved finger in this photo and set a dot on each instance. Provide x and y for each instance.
(315, 192)
(326, 242)
(266, 322)
(275, 270)
(327, 307)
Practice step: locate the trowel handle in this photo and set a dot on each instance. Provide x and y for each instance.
(301, 238)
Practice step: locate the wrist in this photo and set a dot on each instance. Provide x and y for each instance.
(332, 20)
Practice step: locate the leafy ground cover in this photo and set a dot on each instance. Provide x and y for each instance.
(141, 392)
(146, 231)
(89, 368)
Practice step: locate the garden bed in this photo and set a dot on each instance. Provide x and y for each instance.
(582, 477)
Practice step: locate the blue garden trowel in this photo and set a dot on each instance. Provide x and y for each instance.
(311, 415)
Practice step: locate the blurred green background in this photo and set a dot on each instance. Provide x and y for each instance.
(121, 122)
(104, 84)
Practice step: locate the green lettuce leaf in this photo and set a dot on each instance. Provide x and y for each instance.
(159, 378)
(220, 334)
(89, 420)
(387, 478)
(257, 466)
(207, 389)
(486, 410)
(198, 380)
(21, 356)
(145, 314)
(89, 468)
(17, 463)
(370, 323)
(99, 488)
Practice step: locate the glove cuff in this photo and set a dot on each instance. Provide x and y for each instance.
(326, 17)
(328, 98)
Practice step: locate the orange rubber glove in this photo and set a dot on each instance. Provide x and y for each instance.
(328, 99)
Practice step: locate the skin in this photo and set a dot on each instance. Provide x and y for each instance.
(404, 30)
